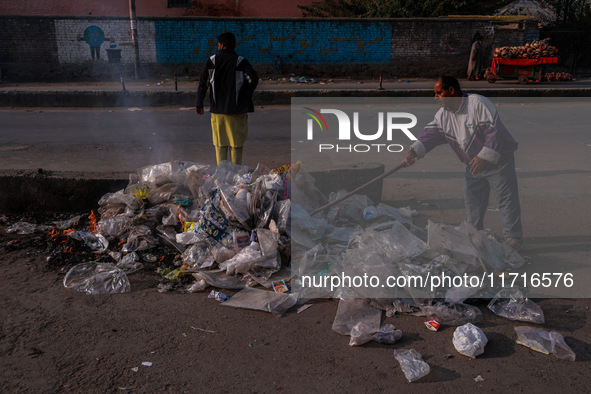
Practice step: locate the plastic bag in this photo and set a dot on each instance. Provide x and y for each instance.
(283, 216)
(387, 334)
(263, 300)
(511, 304)
(544, 342)
(403, 215)
(352, 208)
(453, 314)
(353, 311)
(140, 238)
(391, 239)
(412, 364)
(235, 206)
(249, 258)
(197, 255)
(450, 241)
(120, 198)
(361, 333)
(68, 223)
(97, 278)
(112, 228)
(28, 228)
(130, 263)
(219, 279)
(96, 241)
(492, 254)
(469, 340)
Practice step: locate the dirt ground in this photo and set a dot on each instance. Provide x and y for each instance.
(54, 339)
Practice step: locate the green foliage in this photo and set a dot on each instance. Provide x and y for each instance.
(400, 8)
(335, 8)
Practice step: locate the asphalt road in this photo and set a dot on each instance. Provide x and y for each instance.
(553, 162)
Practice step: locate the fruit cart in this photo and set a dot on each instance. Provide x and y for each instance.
(521, 69)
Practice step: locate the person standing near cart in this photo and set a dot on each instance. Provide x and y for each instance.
(472, 127)
(232, 81)
(476, 63)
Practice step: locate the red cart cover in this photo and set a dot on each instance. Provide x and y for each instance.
(522, 62)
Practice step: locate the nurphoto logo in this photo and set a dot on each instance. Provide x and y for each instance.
(390, 122)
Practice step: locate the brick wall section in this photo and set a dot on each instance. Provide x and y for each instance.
(53, 47)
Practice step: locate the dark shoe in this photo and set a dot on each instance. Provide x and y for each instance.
(515, 243)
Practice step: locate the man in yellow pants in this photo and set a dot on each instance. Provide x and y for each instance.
(232, 81)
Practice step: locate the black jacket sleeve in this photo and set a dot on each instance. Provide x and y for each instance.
(203, 84)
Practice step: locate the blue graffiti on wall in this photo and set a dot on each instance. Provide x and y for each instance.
(313, 42)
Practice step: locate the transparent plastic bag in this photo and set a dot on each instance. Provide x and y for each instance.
(412, 364)
(544, 342)
(391, 240)
(453, 314)
(403, 215)
(235, 206)
(168, 193)
(114, 227)
(196, 255)
(158, 174)
(352, 208)
(130, 263)
(450, 241)
(249, 258)
(68, 223)
(469, 340)
(371, 212)
(97, 278)
(140, 238)
(387, 334)
(511, 304)
(283, 216)
(120, 198)
(28, 228)
(494, 255)
(218, 278)
(95, 241)
(361, 333)
(262, 300)
(190, 237)
(352, 311)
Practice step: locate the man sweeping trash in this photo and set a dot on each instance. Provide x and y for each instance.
(471, 125)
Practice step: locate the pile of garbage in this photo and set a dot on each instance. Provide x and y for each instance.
(531, 50)
(253, 232)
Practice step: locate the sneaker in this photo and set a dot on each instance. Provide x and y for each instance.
(515, 243)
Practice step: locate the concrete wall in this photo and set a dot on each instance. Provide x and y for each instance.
(46, 48)
(156, 8)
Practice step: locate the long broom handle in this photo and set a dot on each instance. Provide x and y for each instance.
(385, 174)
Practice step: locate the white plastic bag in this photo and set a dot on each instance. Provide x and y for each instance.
(469, 340)
(412, 364)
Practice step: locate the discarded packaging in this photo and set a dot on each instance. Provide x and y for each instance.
(97, 278)
(432, 325)
(218, 296)
(96, 242)
(353, 311)
(469, 340)
(361, 333)
(512, 305)
(412, 364)
(544, 342)
(387, 334)
(262, 300)
(453, 314)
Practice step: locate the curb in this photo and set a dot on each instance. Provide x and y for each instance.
(21, 98)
